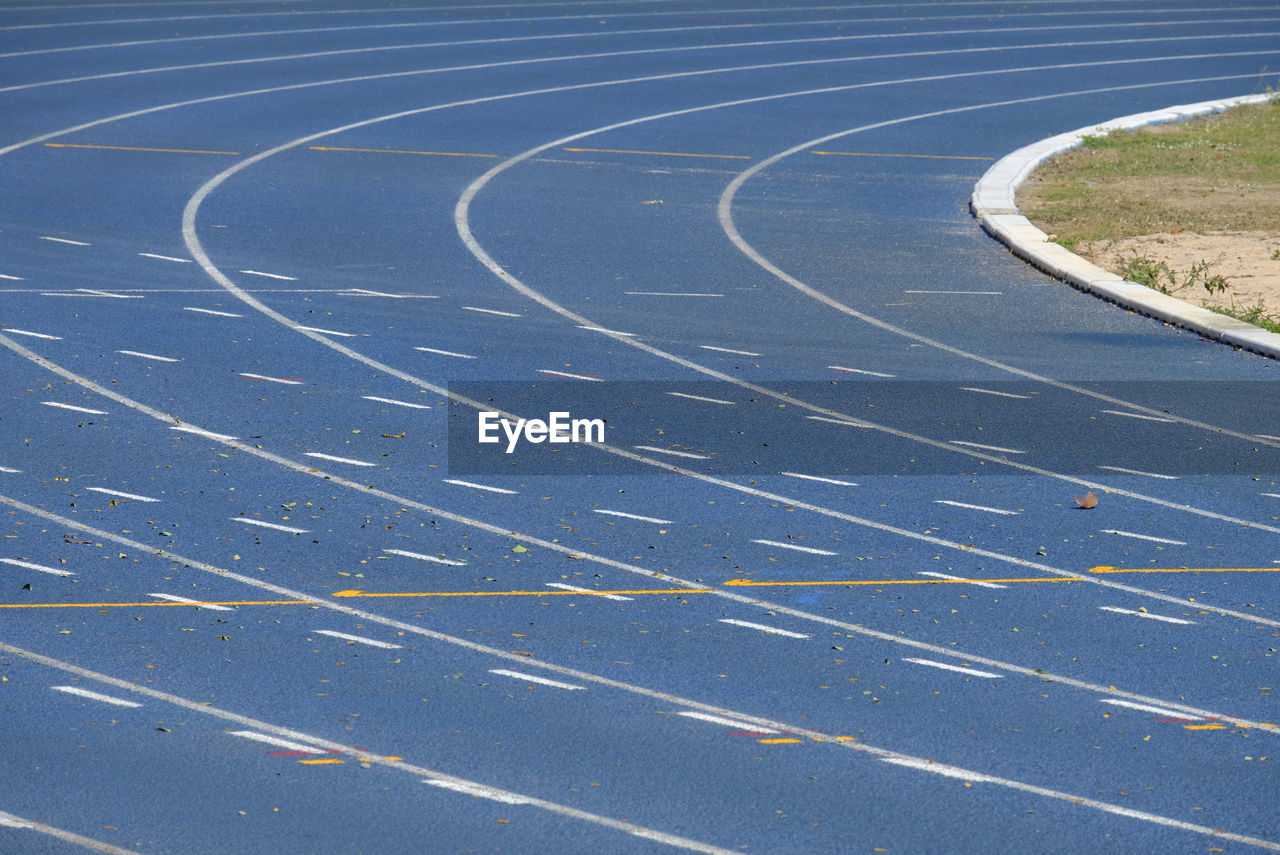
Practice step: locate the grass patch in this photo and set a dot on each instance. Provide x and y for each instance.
(1163, 278)
(1256, 314)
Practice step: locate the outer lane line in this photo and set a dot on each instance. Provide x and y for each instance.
(8, 820)
(136, 148)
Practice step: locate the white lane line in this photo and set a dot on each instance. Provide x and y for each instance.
(530, 678)
(12, 278)
(65, 240)
(270, 275)
(328, 332)
(1266, 436)
(358, 639)
(337, 459)
(445, 352)
(73, 407)
(27, 564)
(573, 376)
(729, 350)
(394, 401)
(478, 790)
(845, 370)
(657, 450)
(33, 334)
(122, 495)
(700, 398)
(421, 557)
(97, 292)
(1143, 536)
(847, 422)
(174, 599)
(808, 549)
(666, 294)
(771, 630)
(271, 379)
(275, 526)
(492, 312)
(986, 447)
(992, 392)
(727, 722)
(165, 257)
(1272, 495)
(8, 820)
(10, 471)
(1148, 708)
(604, 330)
(959, 579)
(1139, 472)
(142, 355)
(944, 666)
(993, 293)
(480, 486)
(200, 432)
(1142, 614)
(975, 507)
(632, 516)
(95, 696)
(276, 741)
(565, 587)
(1137, 416)
(818, 478)
(364, 292)
(937, 768)
(211, 312)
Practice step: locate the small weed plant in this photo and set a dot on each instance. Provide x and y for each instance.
(1161, 277)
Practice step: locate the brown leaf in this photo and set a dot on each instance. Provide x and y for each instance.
(1087, 501)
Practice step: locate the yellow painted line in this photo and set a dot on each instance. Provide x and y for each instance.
(402, 151)
(777, 741)
(738, 583)
(135, 148)
(1188, 570)
(883, 154)
(519, 593)
(328, 761)
(1205, 726)
(662, 153)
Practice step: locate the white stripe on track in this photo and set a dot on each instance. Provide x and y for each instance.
(1148, 708)
(975, 507)
(13, 331)
(1124, 471)
(632, 516)
(672, 452)
(959, 579)
(151, 356)
(992, 392)
(358, 639)
(122, 495)
(275, 526)
(394, 401)
(1143, 614)
(444, 352)
(206, 606)
(1143, 537)
(62, 406)
(819, 478)
(602, 596)
(770, 630)
(95, 696)
(8, 820)
(701, 398)
(475, 486)
(945, 667)
(423, 557)
(531, 678)
(797, 548)
(318, 455)
(727, 722)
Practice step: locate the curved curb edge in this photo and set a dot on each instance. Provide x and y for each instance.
(993, 204)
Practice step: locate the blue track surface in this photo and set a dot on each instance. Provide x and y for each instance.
(824, 589)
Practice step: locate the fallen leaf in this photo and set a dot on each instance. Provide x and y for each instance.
(1087, 501)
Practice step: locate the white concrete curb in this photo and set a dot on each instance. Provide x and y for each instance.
(994, 206)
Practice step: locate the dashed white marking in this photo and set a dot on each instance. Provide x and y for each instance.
(174, 599)
(944, 666)
(10, 471)
(1142, 614)
(277, 741)
(532, 679)
(992, 392)
(276, 526)
(1266, 436)
(73, 407)
(165, 257)
(986, 447)
(270, 275)
(358, 639)
(772, 630)
(672, 453)
(142, 355)
(1148, 708)
(364, 292)
(12, 278)
(667, 294)
(33, 334)
(633, 516)
(1137, 416)
(993, 293)
(1272, 495)
(122, 495)
(936, 768)
(445, 352)
(1143, 536)
(603, 330)
(565, 587)
(335, 459)
(567, 374)
(8, 820)
(729, 350)
(53, 571)
(860, 371)
(479, 486)
(97, 292)
(65, 240)
(727, 722)
(478, 790)
(211, 312)
(421, 557)
(328, 332)
(200, 432)
(1139, 472)
(809, 549)
(700, 398)
(394, 401)
(818, 478)
(271, 379)
(95, 696)
(959, 579)
(492, 312)
(975, 507)
(847, 422)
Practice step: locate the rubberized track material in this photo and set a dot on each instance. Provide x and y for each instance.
(830, 577)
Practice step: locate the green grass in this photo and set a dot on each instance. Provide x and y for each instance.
(1256, 314)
